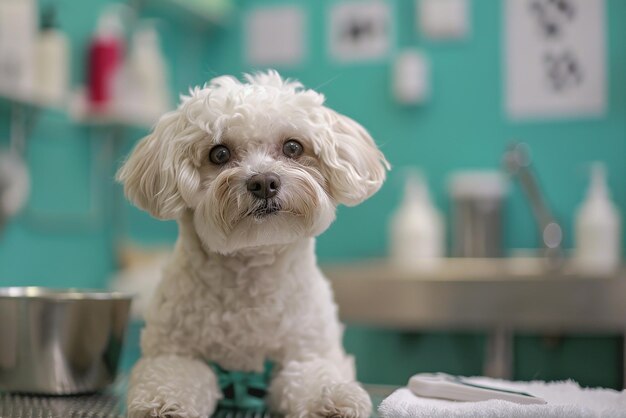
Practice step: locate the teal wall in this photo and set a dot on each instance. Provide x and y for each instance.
(76, 215)
(463, 126)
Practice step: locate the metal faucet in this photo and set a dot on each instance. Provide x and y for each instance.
(518, 164)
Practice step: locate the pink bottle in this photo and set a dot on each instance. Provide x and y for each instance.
(105, 58)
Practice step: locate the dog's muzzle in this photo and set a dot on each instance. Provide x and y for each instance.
(267, 207)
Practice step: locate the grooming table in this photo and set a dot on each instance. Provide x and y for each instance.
(111, 404)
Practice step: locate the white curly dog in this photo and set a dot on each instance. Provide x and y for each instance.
(252, 171)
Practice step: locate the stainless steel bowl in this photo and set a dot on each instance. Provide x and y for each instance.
(60, 342)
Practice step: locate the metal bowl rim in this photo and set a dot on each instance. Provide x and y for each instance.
(53, 294)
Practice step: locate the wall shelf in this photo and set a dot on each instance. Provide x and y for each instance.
(99, 119)
(29, 100)
(213, 12)
(78, 113)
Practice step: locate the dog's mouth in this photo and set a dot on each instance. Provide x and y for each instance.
(266, 208)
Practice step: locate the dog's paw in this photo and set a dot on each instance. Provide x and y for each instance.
(344, 400)
(170, 405)
(161, 409)
(172, 387)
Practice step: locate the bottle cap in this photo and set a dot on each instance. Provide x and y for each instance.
(49, 18)
(598, 184)
(415, 188)
(110, 24)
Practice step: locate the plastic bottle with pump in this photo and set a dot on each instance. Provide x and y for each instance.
(598, 228)
(105, 58)
(18, 31)
(144, 92)
(417, 231)
(53, 61)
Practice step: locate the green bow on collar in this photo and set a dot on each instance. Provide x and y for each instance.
(243, 390)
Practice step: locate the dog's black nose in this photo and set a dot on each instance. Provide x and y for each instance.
(264, 185)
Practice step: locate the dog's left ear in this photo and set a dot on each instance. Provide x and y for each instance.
(355, 166)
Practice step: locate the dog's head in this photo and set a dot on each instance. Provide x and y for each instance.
(257, 163)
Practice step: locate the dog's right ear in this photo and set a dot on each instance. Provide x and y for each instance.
(150, 173)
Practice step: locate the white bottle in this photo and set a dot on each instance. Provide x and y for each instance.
(410, 82)
(53, 62)
(145, 93)
(598, 228)
(18, 29)
(417, 229)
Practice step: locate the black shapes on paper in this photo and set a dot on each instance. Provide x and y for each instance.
(552, 15)
(359, 29)
(563, 71)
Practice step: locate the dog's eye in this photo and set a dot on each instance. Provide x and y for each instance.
(219, 155)
(292, 148)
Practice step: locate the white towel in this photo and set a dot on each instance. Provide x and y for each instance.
(565, 399)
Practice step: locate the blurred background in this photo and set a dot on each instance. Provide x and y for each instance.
(495, 245)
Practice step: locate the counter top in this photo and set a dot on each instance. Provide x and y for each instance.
(479, 294)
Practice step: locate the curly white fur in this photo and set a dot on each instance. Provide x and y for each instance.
(242, 287)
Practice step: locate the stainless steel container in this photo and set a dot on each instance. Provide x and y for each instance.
(477, 213)
(60, 342)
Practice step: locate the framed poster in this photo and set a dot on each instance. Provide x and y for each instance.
(555, 58)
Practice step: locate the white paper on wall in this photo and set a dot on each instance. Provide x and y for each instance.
(444, 19)
(555, 58)
(275, 36)
(360, 30)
